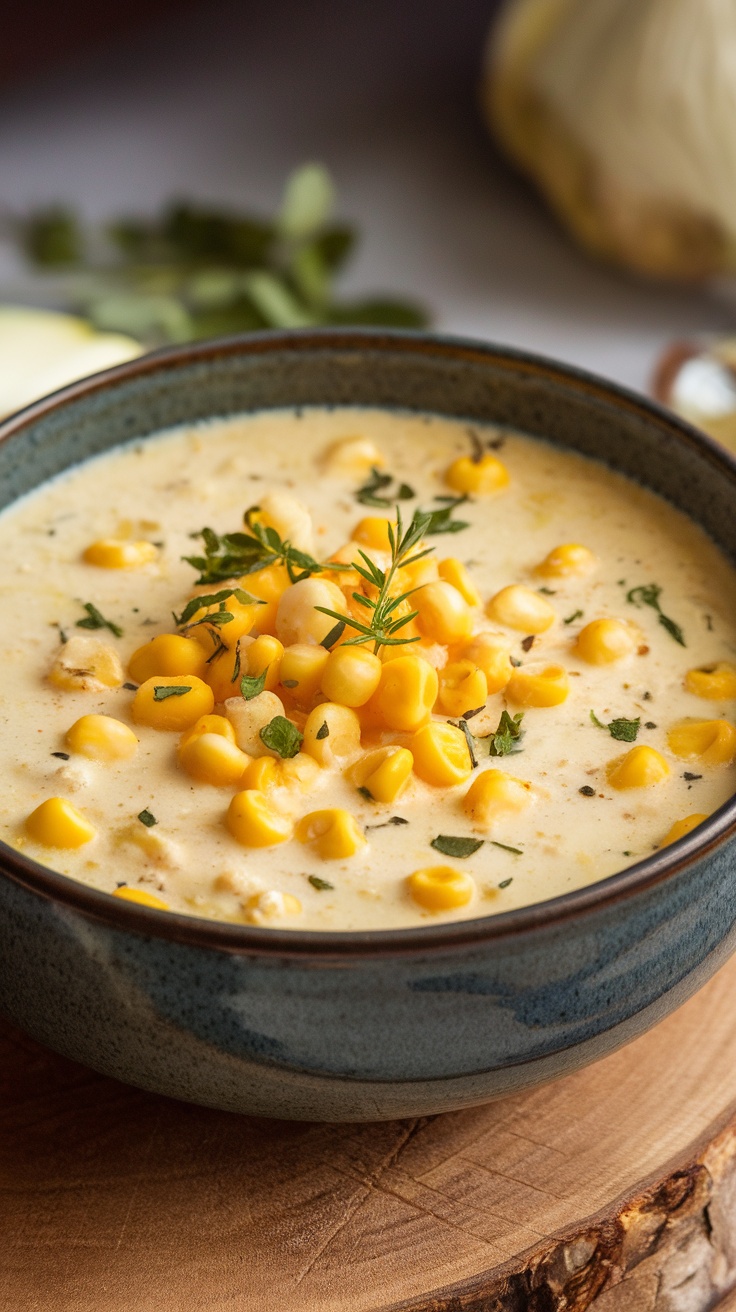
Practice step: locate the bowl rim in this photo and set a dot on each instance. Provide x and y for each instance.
(251, 940)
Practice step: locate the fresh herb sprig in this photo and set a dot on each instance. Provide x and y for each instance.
(383, 624)
(230, 555)
(625, 731)
(441, 521)
(507, 737)
(369, 493)
(648, 594)
(96, 620)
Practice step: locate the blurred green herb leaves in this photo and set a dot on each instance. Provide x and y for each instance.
(195, 272)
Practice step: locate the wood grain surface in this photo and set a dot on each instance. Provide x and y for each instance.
(613, 1189)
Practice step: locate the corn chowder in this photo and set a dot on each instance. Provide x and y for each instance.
(356, 669)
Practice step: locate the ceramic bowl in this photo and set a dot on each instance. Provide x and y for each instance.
(362, 1026)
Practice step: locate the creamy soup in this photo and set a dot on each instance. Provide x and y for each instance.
(272, 732)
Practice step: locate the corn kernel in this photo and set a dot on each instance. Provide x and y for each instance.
(353, 456)
(243, 618)
(168, 653)
(440, 888)
(209, 724)
(259, 654)
(521, 608)
(254, 822)
(269, 585)
(463, 687)
(262, 773)
(334, 834)
(331, 733)
(211, 758)
(102, 738)
(384, 773)
(406, 694)
(116, 553)
(272, 904)
(86, 665)
(290, 518)
(351, 675)
(453, 571)
(495, 793)
(139, 895)
(712, 742)
(683, 827)
(158, 708)
(640, 768)
(717, 683)
(444, 615)
(491, 655)
(301, 671)
(604, 641)
(222, 674)
(57, 823)
(373, 532)
(417, 574)
(300, 771)
(441, 754)
(482, 477)
(532, 686)
(571, 558)
(298, 620)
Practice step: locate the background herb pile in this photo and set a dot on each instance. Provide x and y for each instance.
(195, 272)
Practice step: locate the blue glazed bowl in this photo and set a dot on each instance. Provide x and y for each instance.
(362, 1026)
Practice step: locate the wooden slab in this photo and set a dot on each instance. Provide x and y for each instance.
(614, 1189)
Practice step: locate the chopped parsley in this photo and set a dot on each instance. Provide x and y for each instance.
(450, 845)
(322, 885)
(282, 736)
(576, 615)
(505, 740)
(94, 619)
(392, 820)
(648, 594)
(252, 685)
(505, 882)
(441, 521)
(625, 731)
(517, 851)
(147, 818)
(162, 691)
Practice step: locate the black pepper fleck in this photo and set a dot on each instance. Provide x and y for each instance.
(587, 791)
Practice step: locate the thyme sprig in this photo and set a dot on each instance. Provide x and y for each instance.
(382, 622)
(230, 555)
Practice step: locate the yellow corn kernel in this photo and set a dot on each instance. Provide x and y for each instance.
(340, 737)
(571, 558)
(222, 676)
(491, 655)
(441, 754)
(384, 773)
(297, 617)
(139, 895)
(300, 771)
(269, 585)
(158, 708)
(682, 827)
(301, 671)
(604, 641)
(334, 834)
(440, 888)
(243, 619)
(417, 574)
(102, 738)
(717, 683)
(453, 571)
(290, 517)
(351, 675)
(494, 793)
(211, 758)
(272, 904)
(263, 653)
(353, 455)
(117, 553)
(254, 822)
(86, 665)
(57, 823)
(535, 686)
(463, 687)
(209, 724)
(262, 773)
(373, 532)
(406, 694)
(640, 768)
(444, 615)
(521, 608)
(481, 477)
(249, 717)
(168, 653)
(713, 742)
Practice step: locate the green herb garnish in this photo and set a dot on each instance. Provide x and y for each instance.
(147, 818)
(517, 851)
(282, 736)
(367, 794)
(504, 742)
(323, 731)
(441, 521)
(252, 685)
(162, 691)
(96, 620)
(576, 615)
(368, 495)
(625, 731)
(470, 740)
(322, 885)
(333, 636)
(220, 616)
(449, 845)
(505, 882)
(648, 594)
(240, 553)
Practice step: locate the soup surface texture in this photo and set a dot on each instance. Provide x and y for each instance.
(557, 703)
